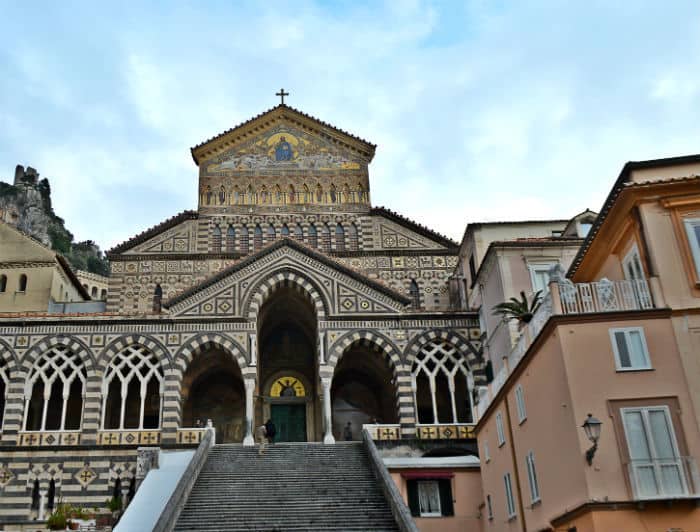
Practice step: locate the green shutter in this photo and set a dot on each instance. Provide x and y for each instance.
(446, 497)
(413, 504)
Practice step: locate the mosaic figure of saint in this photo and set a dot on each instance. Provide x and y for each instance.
(283, 150)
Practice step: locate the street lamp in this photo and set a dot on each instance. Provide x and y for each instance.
(592, 427)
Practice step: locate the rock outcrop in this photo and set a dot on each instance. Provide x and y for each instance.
(26, 204)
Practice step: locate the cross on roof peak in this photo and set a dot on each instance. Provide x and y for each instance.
(282, 94)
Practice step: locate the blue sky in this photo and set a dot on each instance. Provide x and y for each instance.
(481, 110)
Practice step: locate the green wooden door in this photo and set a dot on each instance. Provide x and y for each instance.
(290, 422)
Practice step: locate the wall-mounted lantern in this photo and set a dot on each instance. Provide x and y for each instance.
(592, 427)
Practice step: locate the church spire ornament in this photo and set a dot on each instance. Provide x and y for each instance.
(282, 94)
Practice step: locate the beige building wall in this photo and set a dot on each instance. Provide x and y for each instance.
(95, 285)
(466, 496)
(572, 373)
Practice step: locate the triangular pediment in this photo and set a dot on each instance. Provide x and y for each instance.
(283, 137)
(341, 290)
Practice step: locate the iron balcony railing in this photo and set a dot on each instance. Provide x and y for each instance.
(663, 478)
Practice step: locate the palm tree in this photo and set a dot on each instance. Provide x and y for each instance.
(519, 309)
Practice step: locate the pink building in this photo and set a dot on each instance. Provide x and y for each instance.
(617, 340)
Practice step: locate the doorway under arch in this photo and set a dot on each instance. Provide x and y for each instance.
(212, 388)
(362, 391)
(288, 365)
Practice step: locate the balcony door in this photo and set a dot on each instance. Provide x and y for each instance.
(656, 467)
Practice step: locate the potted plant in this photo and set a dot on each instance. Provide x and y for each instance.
(521, 309)
(58, 520)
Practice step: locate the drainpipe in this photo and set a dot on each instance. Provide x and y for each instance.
(516, 475)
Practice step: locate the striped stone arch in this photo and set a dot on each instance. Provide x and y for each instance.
(289, 278)
(121, 343)
(404, 396)
(473, 357)
(341, 345)
(8, 356)
(172, 399)
(74, 344)
(202, 342)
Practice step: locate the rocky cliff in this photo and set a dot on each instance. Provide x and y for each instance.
(26, 204)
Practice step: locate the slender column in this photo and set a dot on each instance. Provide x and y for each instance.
(42, 505)
(321, 348)
(249, 389)
(253, 349)
(327, 421)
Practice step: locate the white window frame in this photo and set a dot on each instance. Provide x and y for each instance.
(489, 508)
(690, 224)
(632, 257)
(626, 331)
(654, 460)
(433, 484)
(510, 501)
(537, 267)
(532, 478)
(500, 434)
(487, 453)
(520, 403)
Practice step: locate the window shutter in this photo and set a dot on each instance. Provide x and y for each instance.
(413, 504)
(446, 497)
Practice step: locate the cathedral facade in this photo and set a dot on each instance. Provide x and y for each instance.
(286, 295)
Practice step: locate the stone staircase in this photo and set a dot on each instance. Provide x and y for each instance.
(291, 487)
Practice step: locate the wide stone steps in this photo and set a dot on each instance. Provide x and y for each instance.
(291, 487)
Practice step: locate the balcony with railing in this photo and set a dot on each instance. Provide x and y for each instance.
(567, 298)
(663, 478)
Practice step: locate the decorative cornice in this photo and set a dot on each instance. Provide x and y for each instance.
(414, 226)
(153, 231)
(293, 244)
(236, 133)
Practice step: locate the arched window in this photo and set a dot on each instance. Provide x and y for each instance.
(54, 391)
(216, 240)
(51, 495)
(3, 283)
(22, 286)
(271, 233)
(414, 294)
(319, 194)
(325, 238)
(132, 390)
(222, 195)
(285, 230)
(339, 238)
(36, 497)
(333, 195)
(441, 385)
(257, 238)
(299, 233)
(93, 292)
(103, 294)
(244, 240)
(4, 385)
(292, 198)
(230, 239)
(313, 236)
(278, 195)
(157, 298)
(346, 194)
(352, 237)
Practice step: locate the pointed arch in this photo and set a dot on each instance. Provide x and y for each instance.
(473, 356)
(284, 232)
(271, 233)
(325, 238)
(353, 240)
(285, 277)
(313, 236)
(244, 242)
(257, 238)
(339, 237)
(216, 239)
(203, 342)
(299, 232)
(414, 294)
(230, 239)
